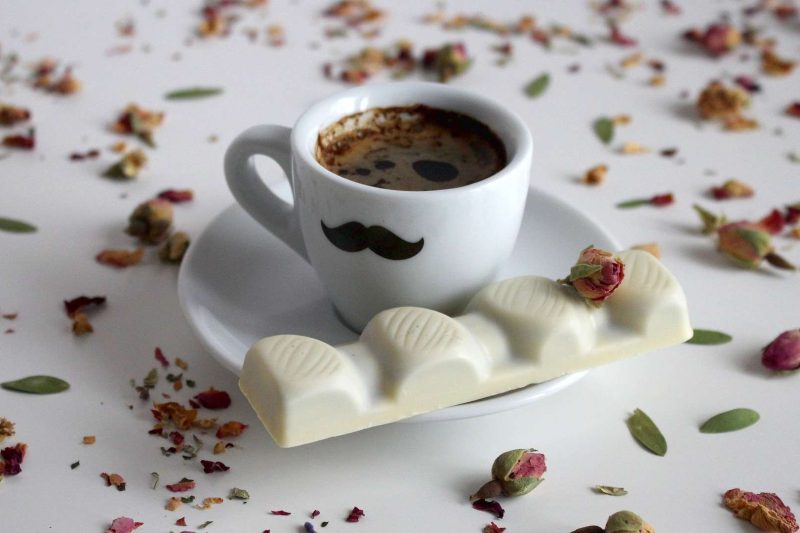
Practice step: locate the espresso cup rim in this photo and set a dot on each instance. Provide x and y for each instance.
(413, 93)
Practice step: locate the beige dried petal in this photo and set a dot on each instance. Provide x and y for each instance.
(621, 120)
(595, 175)
(650, 247)
(173, 503)
(89, 440)
(81, 325)
(657, 80)
(6, 428)
(633, 148)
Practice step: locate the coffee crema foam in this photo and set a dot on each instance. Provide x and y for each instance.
(411, 148)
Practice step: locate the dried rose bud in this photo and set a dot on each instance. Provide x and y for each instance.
(595, 175)
(175, 248)
(514, 473)
(596, 275)
(151, 221)
(627, 522)
(774, 65)
(764, 510)
(784, 352)
(128, 167)
(732, 189)
(11, 115)
(717, 39)
(747, 244)
(448, 61)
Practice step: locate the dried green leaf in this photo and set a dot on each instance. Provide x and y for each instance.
(75, 465)
(155, 477)
(645, 431)
(239, 494)
(37, 385)
(192, 93)
(205, 524)
(583, 270)
(604, 129)
(638, 202)
(187, 499)
(708, 336)
(151, 379)
(732, 420)
(711, 222)
(611, 491)
(538, 85)
(16, 226)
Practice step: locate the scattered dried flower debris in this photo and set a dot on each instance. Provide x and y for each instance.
(209, 467)
(11, 459)
(355, 515)
(604, 129)
(732, 189)
(514, 473)
(120, 258)
(609, 490)
(670, 8)
(174, 413)
(88, 440)
(718, 102)
(114, 480)
(230, 429)
(783, 353)
(151, 221)
(135, 120)
(633, 148)
(183, 485)
(12, 115)
(128, 167)
(538, 85)
(206, 523)
(615, 36)
(208, 503)
(6, 428)
(774, 65)
(595, 175)
(76, 311)
(773, 223)
(492, 528)
(175, 248)
(21, 141)
(793, 110)
(447, 62)
(46, 76)
(596, 274)
(764, 510)
(490, 506)
(176, 196)
(123, 524)
(659, 200)
(94, 153)
(214, 399)
(280, 513)
(716, 39)
(240, 494)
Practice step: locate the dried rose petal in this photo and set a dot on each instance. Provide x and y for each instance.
(6, 429)
(764, 510)
(123, 524)
(717, 101)
(314, 513)
(20, 141)
(792, 214)
(793, 109)
(12, 459)
(176, 438)
(732, 189)
(81, 302)
(80, 156)
(783, 353)
(448, 61)
(151, 221)
(595, 175)
(159, 355)
(717, 39)
(661, 200)
(493, 507)
(748, 84)
(596, 275)
(138, 121)
(177, 196)
(214, 466)
(355, 515)
(11, 115)
(175, 413)
(774, 65)
(493, 528)
(617, 37)
(231, 429)
(120, 258)
(280, 513)
(182, 486)
(773, 223)
(214, 399)
(182, 520)
(114, 480)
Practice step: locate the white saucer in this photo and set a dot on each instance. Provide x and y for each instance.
(238, 284)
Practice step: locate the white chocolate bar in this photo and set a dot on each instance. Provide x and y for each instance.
(411, 360)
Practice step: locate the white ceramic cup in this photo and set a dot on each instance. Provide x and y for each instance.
(466, 233)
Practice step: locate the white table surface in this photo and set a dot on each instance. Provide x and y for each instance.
(407, 477)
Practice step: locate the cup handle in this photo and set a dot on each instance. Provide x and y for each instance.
(278, 216)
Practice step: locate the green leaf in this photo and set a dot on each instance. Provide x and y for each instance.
(37, 385)
(604, 129)
(611, 491)
(583, 270)
(16, 226)
(538, 85)
(732, 420)
(239, 494)
(638, 202)
(645, 431)
(192, 93)
(708, 336)
(711, 222)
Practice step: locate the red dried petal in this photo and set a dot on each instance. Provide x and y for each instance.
(493, 528)
(159, 355)
(489, 506)
(661, 200)
(182, 485)
(180, 521)
(531, 464)
(280, 513)
(79, 303)
(315, 513)
(12, 459)
(793, 109)
(214, 466)
(214, 399)
(80, 156)
(792, 214)
(748, 84)
(177, 196)
(176, 438)
(115, 480)
(23, 142)
(231, 429)
(123, 524)
(617, 37)
(773, 223)
(355, 515)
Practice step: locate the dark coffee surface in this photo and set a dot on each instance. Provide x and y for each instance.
(414, 148)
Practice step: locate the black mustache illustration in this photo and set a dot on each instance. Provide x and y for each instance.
(354, 237)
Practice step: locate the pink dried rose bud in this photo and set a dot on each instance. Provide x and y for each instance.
(764, 510)
(717, 39)
(747, 244)
(784, 352)
(596, 275)
(514, 473)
